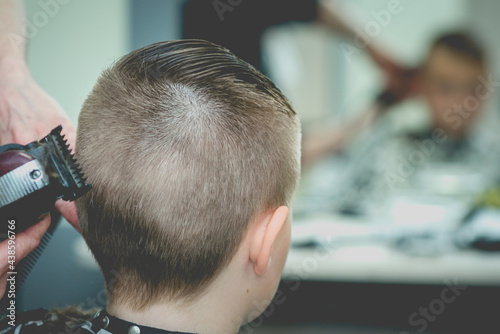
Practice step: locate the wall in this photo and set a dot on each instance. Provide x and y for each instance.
(71, 42)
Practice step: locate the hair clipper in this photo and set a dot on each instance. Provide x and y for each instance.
(34, 176)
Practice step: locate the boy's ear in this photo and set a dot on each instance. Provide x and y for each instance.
(267, 230)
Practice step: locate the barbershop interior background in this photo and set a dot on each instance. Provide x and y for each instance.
(392, 233)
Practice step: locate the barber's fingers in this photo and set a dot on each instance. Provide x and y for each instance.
(25, 242)
(68, 210)
(3, 284)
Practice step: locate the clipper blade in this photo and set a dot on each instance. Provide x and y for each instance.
(64, 165)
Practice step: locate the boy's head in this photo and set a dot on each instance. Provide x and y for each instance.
(449, 76)
(191, 152)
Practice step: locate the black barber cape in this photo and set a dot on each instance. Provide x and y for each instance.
(42, 321)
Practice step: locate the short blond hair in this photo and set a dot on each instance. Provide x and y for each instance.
(184, 144)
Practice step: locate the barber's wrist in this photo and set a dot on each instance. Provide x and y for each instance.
(12, 56)
(13, 67)
(373, 52)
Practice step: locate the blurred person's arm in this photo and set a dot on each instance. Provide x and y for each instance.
(330, 138)
(27, 113)
(330, 17)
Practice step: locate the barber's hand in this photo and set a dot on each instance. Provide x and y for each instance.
(25, 242)
(27, 114)
(400, 80)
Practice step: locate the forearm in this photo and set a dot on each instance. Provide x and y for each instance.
(12, 36)
(330, 138)
(330, 17)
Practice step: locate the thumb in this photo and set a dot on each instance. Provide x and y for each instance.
(68, 210)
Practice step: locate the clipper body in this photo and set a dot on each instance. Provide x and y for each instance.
(34, 176)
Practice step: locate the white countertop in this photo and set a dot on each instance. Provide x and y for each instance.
(368, 260)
